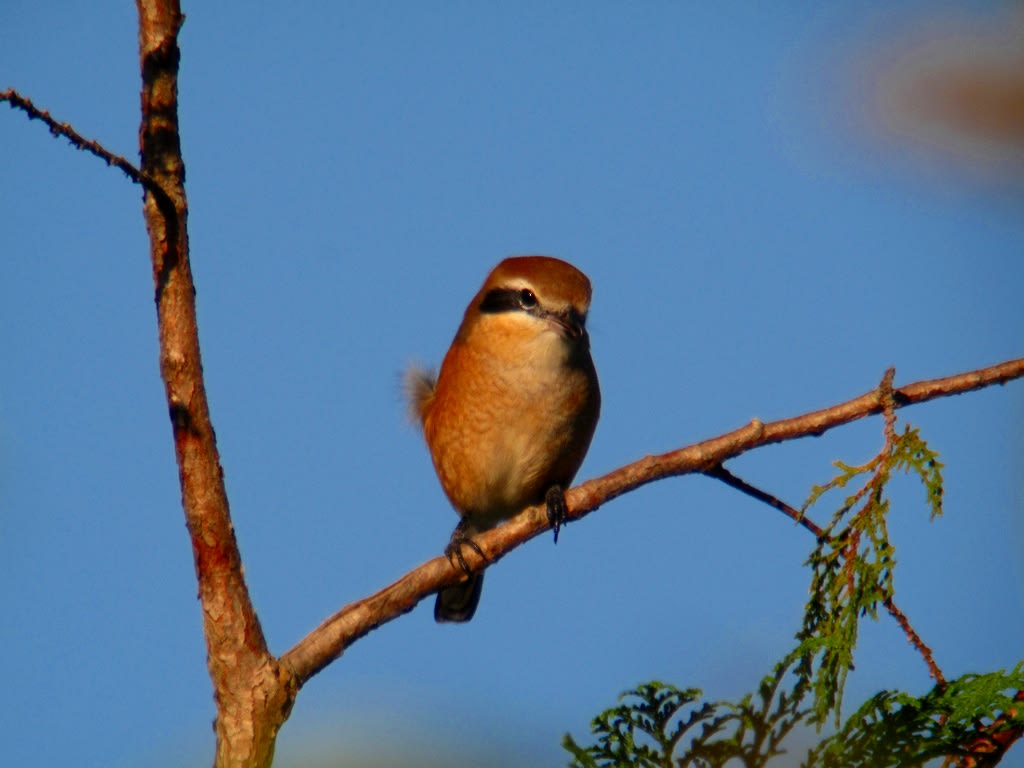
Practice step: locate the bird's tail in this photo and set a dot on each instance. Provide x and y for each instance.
(418, 386)
(459, 603)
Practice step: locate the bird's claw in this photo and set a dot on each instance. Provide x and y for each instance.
(461, 537)
(555, 500)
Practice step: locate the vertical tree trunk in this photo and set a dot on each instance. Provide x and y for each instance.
(252, 691)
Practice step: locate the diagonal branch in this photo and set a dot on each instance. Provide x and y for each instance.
(338, 632)
(17, 101)
(721, 473)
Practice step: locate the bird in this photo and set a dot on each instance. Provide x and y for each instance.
(511, 414)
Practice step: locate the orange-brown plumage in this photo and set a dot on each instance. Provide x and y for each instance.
(514, 407)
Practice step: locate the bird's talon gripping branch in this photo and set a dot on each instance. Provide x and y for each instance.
(555, 500)
(461, 537)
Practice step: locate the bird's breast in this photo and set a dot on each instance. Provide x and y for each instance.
(506, 424)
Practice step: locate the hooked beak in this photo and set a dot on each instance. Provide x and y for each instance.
(568, 323)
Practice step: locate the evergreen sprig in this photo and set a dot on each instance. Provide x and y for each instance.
(644, 730)
(852, 564)
(655, 723)
(959, 719)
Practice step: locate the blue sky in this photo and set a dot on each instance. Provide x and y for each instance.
(759, 245)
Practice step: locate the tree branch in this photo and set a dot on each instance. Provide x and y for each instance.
(338, 632)
(17, 101)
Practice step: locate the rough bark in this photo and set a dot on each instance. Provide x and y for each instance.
(253, 698)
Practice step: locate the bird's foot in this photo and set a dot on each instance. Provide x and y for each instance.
(461, 537)
(555, 500)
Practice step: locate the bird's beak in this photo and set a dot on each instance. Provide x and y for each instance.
(569, 323)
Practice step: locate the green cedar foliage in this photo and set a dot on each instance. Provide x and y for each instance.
(656, 722)
(852, 565)
(894, 728)
(658, 725)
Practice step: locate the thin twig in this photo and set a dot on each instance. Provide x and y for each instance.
(888, 398)
(916, 641)
(727, 477)
(57, 128)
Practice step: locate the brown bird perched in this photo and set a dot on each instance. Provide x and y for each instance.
(510, 416)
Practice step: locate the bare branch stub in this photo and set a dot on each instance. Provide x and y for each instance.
(17, 101)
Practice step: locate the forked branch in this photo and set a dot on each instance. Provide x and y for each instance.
(335, 634)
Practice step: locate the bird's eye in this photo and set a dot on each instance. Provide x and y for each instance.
(526, 299)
